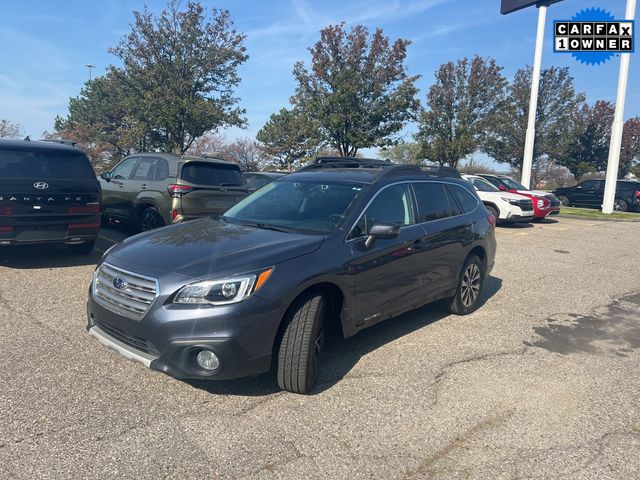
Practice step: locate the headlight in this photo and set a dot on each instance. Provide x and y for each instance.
(509, 200)
(222, 292)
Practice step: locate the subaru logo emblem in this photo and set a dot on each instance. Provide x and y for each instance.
(41, 185)
(120, 283)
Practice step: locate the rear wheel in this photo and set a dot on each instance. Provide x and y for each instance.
(302, 344)
(467, 297)
(564, 201)
(150, 219)
(620, 205)
(82, 248)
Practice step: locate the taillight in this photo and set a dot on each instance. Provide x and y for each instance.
(177, 190)
(174, 214)
(88, 208)
(638, 194)
(492, 219)
(6, 211)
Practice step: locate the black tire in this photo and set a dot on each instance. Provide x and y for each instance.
(301, 346)
(150, 219)
(564, 200)
(620, 205)
(494, 212)
(467, 297)
(82, 248)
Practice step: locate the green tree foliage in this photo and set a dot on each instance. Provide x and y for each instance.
(630, 152)
(176, 84)
(402, 152)
(9, 129)
(463, 103)
(586, 144)
(357, 90)
(557, 102)
(287, 137)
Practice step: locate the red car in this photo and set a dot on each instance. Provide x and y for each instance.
(544, 203)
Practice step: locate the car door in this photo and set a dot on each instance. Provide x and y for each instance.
(584, 193)
(598, 194)
(114, 192)
(442, 211)
(142, 181)
(387, 275)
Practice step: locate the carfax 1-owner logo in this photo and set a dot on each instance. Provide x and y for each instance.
(593, 36)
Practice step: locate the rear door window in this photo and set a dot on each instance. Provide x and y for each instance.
(162, 170)
(214, 174)
(465, 199)
(146, 169)
(22, 163)
(433, 203)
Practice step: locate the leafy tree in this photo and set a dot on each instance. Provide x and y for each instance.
(247, 154)
(630, 151)
(9, 129)
(176, 84)
(586, 147)
(463, 103)
(357, 90)
(287, 137)
(557, 102)
(402, 152)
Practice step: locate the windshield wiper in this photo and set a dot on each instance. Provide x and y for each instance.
(266, 226)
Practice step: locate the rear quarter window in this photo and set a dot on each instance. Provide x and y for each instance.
(465, 199)
(22, 163)
(204, 173)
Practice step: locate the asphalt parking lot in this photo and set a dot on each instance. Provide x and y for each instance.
(541, 382)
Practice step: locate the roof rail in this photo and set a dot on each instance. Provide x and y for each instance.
(346, 162)
(441, 171)
(71, 143)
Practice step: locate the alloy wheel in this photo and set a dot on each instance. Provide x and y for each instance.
(470, 287)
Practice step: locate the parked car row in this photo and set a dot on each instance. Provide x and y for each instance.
(590, 193)
(267, 263)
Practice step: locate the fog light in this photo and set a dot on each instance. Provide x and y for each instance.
(207, 360)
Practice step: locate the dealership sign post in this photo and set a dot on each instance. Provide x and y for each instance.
(508, 6)
(618, 123)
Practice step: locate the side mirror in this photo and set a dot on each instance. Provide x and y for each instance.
(502, 187)
(382, 231)
(106, 176)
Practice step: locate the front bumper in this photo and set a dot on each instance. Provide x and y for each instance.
(166, 339)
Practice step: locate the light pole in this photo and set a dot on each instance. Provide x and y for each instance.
(90, 67)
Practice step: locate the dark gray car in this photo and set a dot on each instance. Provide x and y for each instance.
(150, 190)
(219, 299)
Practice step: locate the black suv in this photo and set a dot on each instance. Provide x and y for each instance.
(590, 193)
(149, 190)
(48, 194)
(344, 241)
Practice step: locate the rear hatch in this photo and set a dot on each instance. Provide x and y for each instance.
(47, 194)
(209, 188)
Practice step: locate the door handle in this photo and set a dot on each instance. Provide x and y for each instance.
(143, 186)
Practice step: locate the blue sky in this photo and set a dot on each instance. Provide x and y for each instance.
(45, 45)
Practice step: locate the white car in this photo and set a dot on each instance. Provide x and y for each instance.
(506, 207)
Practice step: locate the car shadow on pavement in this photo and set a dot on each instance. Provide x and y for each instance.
(44, 256)
(341, 355)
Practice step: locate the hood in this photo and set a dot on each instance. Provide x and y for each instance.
(204, 248)
(535, 193)
(512, 196)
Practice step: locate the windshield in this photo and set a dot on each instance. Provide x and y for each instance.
(303, 206)
(512, 184)
(482, 185)
(51, 164)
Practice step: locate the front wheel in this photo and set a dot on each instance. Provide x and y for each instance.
(564, 201)
(301, 345)
(467, 297)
